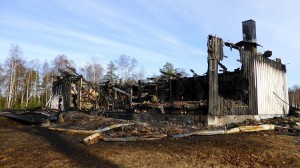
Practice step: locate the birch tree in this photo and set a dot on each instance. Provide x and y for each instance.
(294, 96)
(93, 72)
(2, 86)
(126, 67)
(2, 79)
(31, 84)
(140, 75)
(46, 83)
(14, 66)
(62, 62)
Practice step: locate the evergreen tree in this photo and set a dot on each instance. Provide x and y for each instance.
(168, 68)
(111, 72)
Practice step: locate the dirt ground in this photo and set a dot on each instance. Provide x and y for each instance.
(31, 146)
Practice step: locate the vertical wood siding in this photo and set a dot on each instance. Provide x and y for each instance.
(272, 90)
(268, 90)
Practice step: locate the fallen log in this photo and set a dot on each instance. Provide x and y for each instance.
(214, 132)
(255, 128)
(219, 132)
(182, 135)
(72, 131)
(233, 131)
(113, 127)
(148, 139)
(206, 132)
(92, 139)
(128, 139)
(155, 136)
(88, 132)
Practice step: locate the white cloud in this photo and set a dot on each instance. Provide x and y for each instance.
(153, 32)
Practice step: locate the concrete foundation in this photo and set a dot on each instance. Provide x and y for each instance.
(223, 120)
(172, 120)
(187, 120)
(157, 118)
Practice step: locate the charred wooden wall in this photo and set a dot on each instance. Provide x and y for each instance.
(259, 88)
(181, 89)
(233, 91)
(190, 89)
(62, 89)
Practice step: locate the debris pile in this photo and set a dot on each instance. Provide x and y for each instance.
(108, 129)
(285, 125)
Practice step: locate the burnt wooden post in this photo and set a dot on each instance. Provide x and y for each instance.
(215, 54)
(79, 99)
(248, 55)
(130, 98)
(171, 98)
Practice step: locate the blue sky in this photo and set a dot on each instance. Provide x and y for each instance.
(154, 32)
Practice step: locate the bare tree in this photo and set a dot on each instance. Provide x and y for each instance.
(46, 83)
(62, 62)
(14, 68)
(140, 75)
(182, 72)
(2, 79)
(126, 67)
(27, 86)
(93, 72)
(2, 87)
(294, 96)
(31, 83)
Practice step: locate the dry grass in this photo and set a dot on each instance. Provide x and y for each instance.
(30, 146)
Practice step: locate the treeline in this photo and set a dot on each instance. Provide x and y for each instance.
(294, 96)
(27, 84)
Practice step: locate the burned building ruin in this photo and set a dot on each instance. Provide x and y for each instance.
(259, 90)
(256, 90)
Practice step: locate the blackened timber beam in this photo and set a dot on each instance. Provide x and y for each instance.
(215, 54)
(121, 91)
(231, 45)
(194, 73)
(222, 66)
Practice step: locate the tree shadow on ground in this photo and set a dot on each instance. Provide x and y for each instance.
(78, 153)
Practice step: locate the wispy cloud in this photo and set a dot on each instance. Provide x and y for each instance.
(153, 32)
